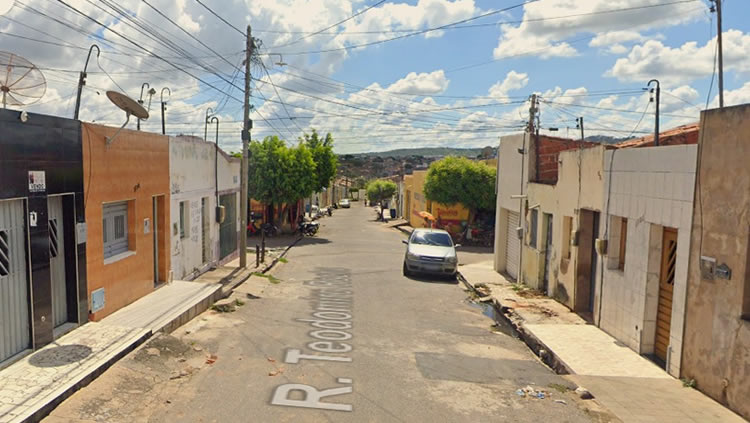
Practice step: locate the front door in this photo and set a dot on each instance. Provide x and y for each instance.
(15, 328)
(547, 250)
(594, 260)
(228, 228)
(155, 237)
(666, 287)
(55, 225)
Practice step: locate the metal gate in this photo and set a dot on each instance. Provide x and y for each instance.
(512, 246)
(15, 333)
(57, 260)
(228, 228)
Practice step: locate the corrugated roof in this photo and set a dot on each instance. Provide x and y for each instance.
(684, 134)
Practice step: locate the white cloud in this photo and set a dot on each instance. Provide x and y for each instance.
(513, 81)
(653, 59)
(543, 29)
(421, 84)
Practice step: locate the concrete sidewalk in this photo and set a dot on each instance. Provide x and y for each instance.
(31, 387)
(630, 386)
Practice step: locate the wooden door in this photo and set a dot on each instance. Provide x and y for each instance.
(666, 288)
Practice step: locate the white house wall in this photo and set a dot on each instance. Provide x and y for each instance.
(653, 188)
(509, 180)
(192, 178)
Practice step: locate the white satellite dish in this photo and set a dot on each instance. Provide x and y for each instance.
(129, 106)
(5, 6)
(21, 82)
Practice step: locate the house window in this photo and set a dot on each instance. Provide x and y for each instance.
(184, 210)
(533, 227)
(115, 228)
(623, 243)
(566, 228)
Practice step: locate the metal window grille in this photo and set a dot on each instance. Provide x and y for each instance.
(53, 238)
(4, 254)
(115, 228)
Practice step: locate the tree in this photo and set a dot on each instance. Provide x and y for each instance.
(359, 182)
(279, 174)
(459, 180)
(380, 190)
(325, 161)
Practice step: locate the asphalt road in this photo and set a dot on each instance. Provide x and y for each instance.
(342, 336)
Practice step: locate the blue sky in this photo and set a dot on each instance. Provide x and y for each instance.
(592, 64)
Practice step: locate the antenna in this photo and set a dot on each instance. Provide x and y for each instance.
(21, 82)
(129, 106)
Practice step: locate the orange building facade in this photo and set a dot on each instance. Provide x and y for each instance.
(126, 194)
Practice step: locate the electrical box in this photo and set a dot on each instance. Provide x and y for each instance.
(601, 246)
(221, 214)
(519, 232)
(574, 238)
(97, 300)
(708, 267)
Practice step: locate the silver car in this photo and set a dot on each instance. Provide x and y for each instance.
(430, 251)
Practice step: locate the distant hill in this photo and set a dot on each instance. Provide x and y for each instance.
(605, 139)
(425, 152)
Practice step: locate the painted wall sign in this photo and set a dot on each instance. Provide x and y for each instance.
(37, 181)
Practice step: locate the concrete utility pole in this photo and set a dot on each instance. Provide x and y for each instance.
(656, 123)
(720, 52)
(247, 126)
(82, 79)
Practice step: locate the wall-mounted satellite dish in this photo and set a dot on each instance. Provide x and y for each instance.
(5, 6)
(21, 82)
(129, 106)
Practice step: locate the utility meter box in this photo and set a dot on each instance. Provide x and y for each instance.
(221, 214)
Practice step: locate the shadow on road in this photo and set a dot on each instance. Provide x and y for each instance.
(433, 279)
(313, 241)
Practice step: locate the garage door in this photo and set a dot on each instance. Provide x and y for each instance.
(513, 246)
(14, 299)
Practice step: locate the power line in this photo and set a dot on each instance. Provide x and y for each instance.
(331, 26)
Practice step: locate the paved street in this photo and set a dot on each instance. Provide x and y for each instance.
(340, 335)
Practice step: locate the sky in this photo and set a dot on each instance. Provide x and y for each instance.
(382, 74)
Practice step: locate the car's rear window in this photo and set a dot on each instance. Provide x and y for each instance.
(431, 238)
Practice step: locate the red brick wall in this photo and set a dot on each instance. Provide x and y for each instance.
(548, 152)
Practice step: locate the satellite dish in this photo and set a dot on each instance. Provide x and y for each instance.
(21, 82)
(129, 106)
(5, 6)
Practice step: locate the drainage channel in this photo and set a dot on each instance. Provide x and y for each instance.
(500, 323)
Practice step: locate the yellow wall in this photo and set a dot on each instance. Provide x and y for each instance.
(449, 216)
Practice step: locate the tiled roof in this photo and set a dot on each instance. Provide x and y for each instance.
(685, 134)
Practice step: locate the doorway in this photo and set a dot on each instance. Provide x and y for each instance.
(586, 263)
(57, 250)
(666, 289)
(159, 238)
(15, 323)
(547, 249)
(228, 228)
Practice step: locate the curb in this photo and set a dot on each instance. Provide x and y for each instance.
(508, 314)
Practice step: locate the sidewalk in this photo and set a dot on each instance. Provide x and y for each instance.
(630, 386)
(31, 387)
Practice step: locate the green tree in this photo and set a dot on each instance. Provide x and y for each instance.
(279, 174)
(325, 161)
(459, 180)
(359, 183)
(380, 190)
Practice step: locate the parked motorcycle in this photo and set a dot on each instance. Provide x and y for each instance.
(269, 229)
(330, 211)
(308, 228)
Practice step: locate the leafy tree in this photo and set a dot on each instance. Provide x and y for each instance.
(325, 161)
(279, 174)
(380, 190)
(359, 183)
(459, 180)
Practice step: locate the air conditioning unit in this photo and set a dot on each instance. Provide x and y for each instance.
(221, 214)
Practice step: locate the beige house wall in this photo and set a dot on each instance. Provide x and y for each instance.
(716, 349)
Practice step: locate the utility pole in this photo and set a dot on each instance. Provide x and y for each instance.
(164, 109)
(82, 79)
(247, 126)
(579, 125)
(532, 114)
(720, 52)
(656, 123)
